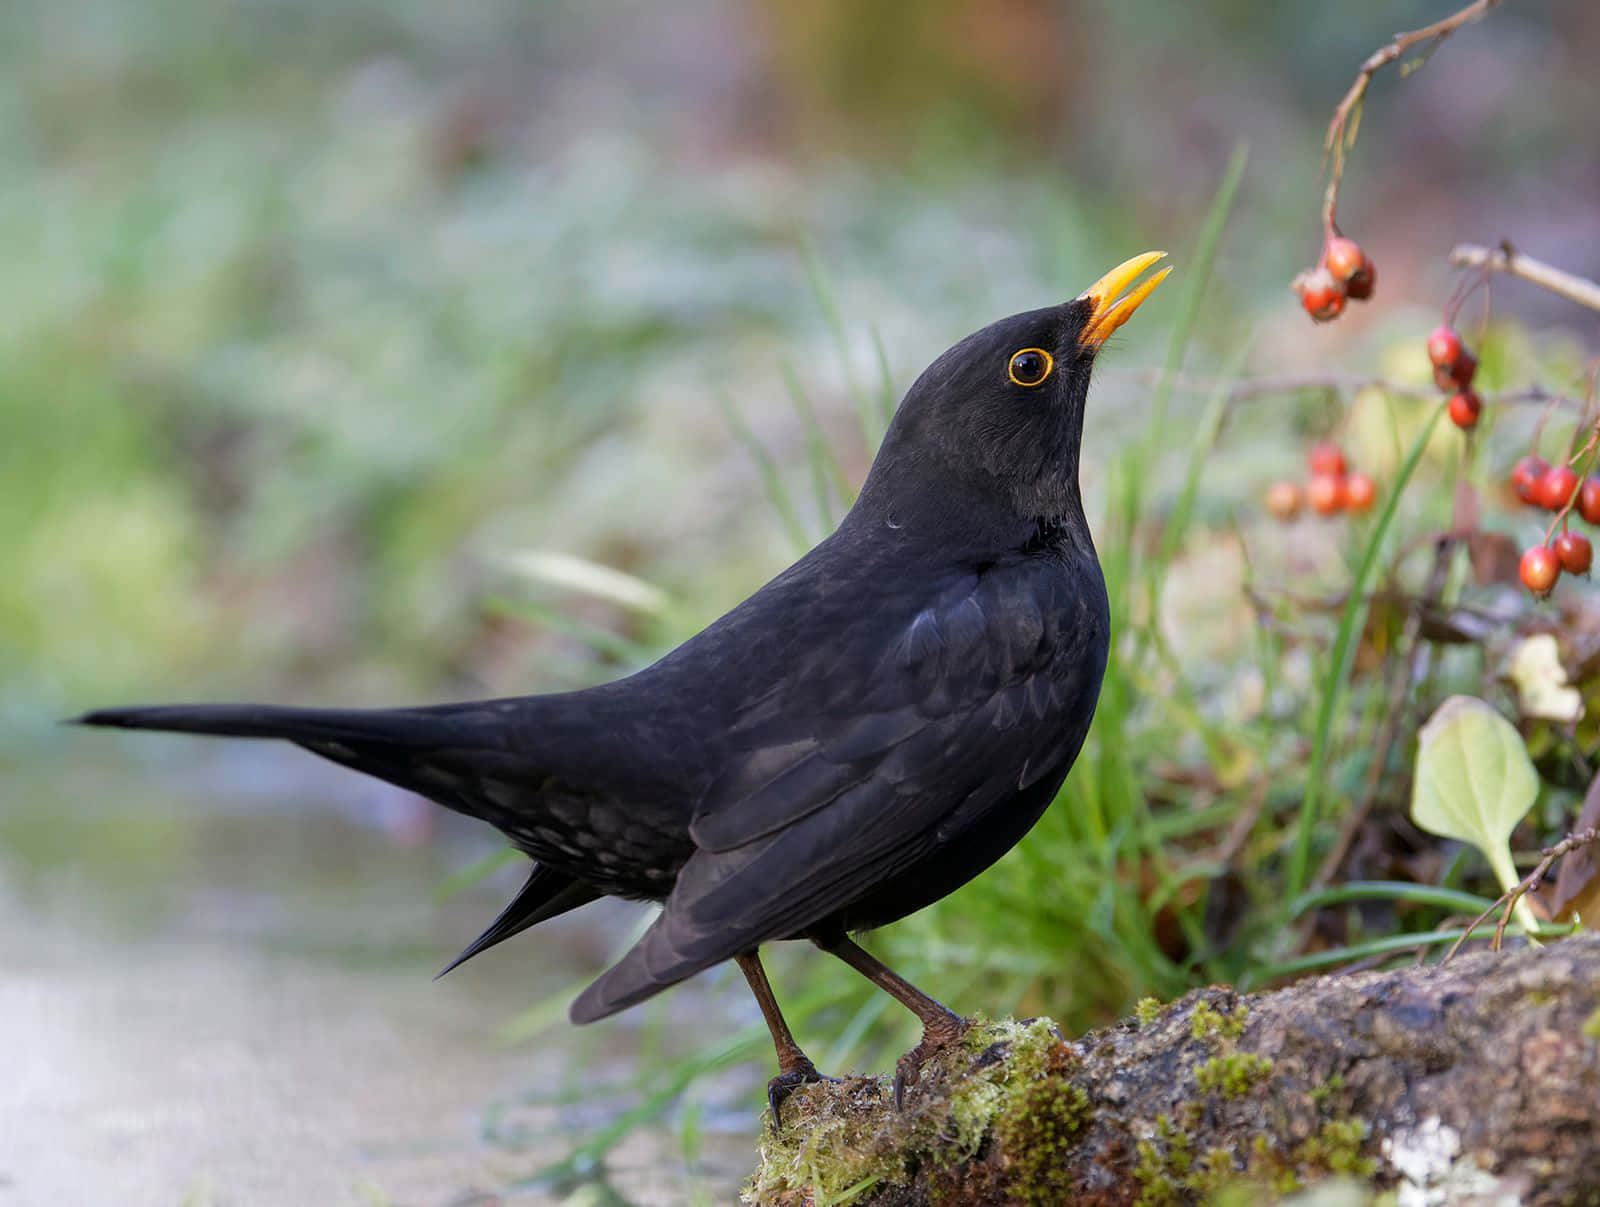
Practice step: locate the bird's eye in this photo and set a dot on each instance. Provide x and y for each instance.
(1030, 366)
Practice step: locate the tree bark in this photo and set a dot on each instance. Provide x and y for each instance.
(1475, 1081)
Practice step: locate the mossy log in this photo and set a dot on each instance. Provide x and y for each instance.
(1477, 1081)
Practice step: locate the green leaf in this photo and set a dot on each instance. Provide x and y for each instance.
(1474, 782)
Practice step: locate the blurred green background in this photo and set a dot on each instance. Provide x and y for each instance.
(317, 318)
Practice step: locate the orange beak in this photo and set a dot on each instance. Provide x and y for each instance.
(1111, 311)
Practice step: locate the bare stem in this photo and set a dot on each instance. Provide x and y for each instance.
(1507, 259)
(1527, 884)
(1246, 389)
(1341, 131)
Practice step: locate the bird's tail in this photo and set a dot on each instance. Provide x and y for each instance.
(447, 753)
(430, 751)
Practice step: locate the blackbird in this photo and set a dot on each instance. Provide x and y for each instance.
(859, 738)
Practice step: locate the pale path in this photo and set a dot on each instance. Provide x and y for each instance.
(247, 1038)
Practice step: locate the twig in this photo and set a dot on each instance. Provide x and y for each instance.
(1508, 899)
(1246, 389)
(1508, 259)
(1573, 458)
(1341, 132)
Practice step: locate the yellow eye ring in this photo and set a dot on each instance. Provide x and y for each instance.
(1030, 366)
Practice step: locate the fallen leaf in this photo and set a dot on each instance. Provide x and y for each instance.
(1542, 686)
(1577, 890)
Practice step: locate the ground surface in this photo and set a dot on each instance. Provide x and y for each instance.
(244, 1025)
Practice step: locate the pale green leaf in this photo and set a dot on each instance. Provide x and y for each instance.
(1474, 782)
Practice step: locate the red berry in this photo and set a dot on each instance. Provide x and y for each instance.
(1283, 500)
(1349, 267)
(1525, 477)
(1320, 294)
(1457, 375)
(1360, 492)
(1343, 258)
(1326, 457)
(1589, 499)
(1465, 407)
(1325, 493)
(1540, 568)
(1574, 552)
(1361, 285)
(1554, 489)
(1444, 347)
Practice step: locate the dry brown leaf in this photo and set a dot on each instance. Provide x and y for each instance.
(1495, 558)
(1577, 890)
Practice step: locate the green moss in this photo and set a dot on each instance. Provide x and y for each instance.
(1005, 1080)
(1323, 1092)
(1336, 1149)
(1008, 1092)
(1147, 1010)
(1207, 1022)
(1233, 1074)
(1039, 1129)
(1158, 1187)
(1216, 1170)
(1591, 1025)
(1168, 1172)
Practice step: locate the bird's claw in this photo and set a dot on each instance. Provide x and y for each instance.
(786, 1083)
(908, 1069)
(906, 1072)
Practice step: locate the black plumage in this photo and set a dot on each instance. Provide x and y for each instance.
(866, 733)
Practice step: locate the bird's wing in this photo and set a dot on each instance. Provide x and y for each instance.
(845, 777)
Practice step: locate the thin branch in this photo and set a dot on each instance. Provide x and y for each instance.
(1508, 899)
(1341, 130)
(1246, 389)
(1508, 259)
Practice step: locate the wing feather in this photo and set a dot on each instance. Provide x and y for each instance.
(823, 803)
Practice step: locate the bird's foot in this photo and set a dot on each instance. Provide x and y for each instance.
(937, 1035)
(787, 1082)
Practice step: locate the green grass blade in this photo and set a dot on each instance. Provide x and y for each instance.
(1385, 945)
(887, 398)
(828, 479)
(475, 871)
(782, 500)
(600, 641)
(851, 1192)
(1393, 890)
(1343, 658)
(1196, 276)
(871, 427)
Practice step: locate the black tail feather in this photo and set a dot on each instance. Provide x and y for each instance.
(440, 752)
(394, 726)
(546, 894)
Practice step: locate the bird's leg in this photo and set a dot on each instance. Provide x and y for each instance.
(941, 1026)
(794, 1067)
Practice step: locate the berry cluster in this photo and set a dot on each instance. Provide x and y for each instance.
(1345, 271)
(1329, 490)
(1556, 488)
(1454, 367)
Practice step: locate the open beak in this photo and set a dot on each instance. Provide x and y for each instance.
(1111, 311)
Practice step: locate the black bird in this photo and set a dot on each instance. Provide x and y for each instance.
(859, 738)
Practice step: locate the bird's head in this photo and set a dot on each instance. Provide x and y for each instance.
(999, 417)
